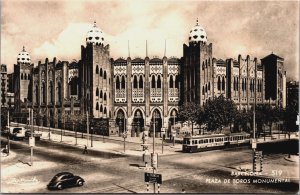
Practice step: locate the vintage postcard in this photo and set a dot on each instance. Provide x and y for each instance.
(162, 96)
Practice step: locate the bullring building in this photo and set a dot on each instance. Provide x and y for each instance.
(131, 92)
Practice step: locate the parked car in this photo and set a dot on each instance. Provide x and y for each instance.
(5, 131)
(36, 134)
(63, 180)
(17, 133)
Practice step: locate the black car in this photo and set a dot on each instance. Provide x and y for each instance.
(63, 180)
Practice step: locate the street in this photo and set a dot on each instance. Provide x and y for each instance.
(196, 173)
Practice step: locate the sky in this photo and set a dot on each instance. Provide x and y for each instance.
(57, 28)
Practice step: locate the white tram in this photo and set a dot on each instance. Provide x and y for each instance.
(214, 141)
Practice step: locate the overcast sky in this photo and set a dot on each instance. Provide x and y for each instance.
(58, 28)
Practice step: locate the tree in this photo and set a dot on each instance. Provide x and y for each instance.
(272, 114)
(219, 112)
(4, 115)
(242, 117)
(190, 111)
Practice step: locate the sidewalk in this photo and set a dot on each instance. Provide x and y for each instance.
(112, 144)
(275, 168)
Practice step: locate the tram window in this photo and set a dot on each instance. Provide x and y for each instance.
(206, 141)
(188, 142)
(201, 141)
(211, 140)
(196, 141)
(193, 142)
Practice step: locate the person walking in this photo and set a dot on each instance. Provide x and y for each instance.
(85, 150)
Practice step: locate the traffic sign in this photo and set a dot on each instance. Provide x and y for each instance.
(154, 159)
(153, 178)
(31, 141)
(254, 144)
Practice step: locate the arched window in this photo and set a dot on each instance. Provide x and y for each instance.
(205, 63)
(101, 108)
(101, 72)
(101, 94)
(104, 75)
(135, 82)
(141, 82)
(104, 97)
(219, 83)
(234, 84)
(28, 77)
(223, 84)
(25, 77)
(51, 91)
(177, 81)
(97, 91)
(202, 65)
(37, 94)
(171, 82)
(97, 69)
(104, 110)
(117, 83)
(22, 76)
(97, 106)
(153, 82)
(208, 86)
(158, 82)
(243, 85)
(123, 82)
(73, 86)
(203, 90)
(59, 92)
(237, 83)
(43, 93)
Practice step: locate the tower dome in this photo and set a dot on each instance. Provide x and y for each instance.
(95, 36)
(197, 34)
(23, 57)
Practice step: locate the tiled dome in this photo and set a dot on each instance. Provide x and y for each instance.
(95, 36)
(23, 57)
(197, 34)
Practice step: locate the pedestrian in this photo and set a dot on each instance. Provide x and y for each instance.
(85, 150)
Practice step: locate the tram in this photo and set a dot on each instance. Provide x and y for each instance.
(214, 141)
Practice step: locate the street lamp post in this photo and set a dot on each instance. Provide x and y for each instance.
(92, 131)
(49, 130)
(8, 140)
(153, 155)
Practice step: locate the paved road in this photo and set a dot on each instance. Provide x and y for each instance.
(196, 173)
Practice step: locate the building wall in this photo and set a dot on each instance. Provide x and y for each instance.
(4, 85)
(142, 87)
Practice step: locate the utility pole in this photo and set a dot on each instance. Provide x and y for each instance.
(32, 138)
(8, 140)
(87, 128)
(254, 137)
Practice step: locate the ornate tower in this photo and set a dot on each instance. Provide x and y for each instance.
(23, 79)
(95, 74)
(197, 67)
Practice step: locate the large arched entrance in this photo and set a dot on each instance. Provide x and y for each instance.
(172, 121)
(121, 121)
(156, 121)
(137, 124)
